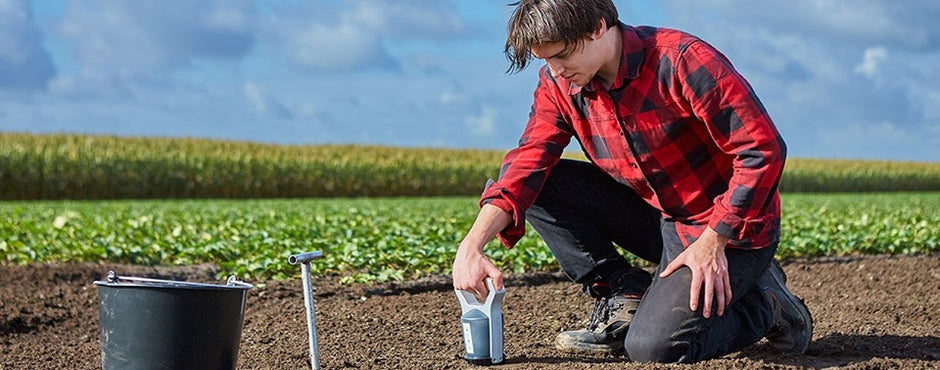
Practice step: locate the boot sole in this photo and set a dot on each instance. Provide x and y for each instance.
(587, 348)
(792, 300)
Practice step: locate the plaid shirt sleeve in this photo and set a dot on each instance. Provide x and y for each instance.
(526, 167)
(740, 126)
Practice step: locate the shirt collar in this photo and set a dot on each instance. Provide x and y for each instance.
(631, 59)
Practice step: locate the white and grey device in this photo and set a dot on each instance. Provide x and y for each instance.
(482, 324)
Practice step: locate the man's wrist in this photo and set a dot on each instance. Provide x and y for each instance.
(470, 246)
(719, 241)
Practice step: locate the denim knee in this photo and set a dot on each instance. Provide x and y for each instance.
(646, 348)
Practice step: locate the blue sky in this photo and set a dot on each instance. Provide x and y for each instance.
(841, 79)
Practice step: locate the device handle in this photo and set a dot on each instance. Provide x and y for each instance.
(469, 301)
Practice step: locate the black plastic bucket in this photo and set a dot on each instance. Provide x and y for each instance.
(164, 324)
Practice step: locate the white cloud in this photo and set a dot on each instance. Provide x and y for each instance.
(262, 103)
(449, 97)
(354, 35)
(135, 38)
(253, 94)
(344, 47)
(25, 64)
(483, 124)
(87, 85)
(119, 50)
(906, 24)
(235, 20)
(834, 68)
(873, 58)
(424, 19)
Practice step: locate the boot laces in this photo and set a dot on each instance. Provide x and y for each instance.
(600, 313)
(605, 308)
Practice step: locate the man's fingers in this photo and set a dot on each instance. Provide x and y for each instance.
(694, 290)
(480, 289)
(727, 290)
(709, 294)
(497, 276)
(720, 295)
(673, 266)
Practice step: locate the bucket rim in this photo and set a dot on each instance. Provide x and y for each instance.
(115, 281)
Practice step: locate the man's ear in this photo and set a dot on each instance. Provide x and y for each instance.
(600, 31)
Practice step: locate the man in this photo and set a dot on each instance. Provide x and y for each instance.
(684, 169)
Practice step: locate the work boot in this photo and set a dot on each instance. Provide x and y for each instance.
(792, 329)
(610, 317)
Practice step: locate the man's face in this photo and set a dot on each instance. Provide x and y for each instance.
(577, 64)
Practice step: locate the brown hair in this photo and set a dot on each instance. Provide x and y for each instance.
(540, 21)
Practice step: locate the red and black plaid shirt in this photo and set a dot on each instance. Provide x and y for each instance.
(678, 125)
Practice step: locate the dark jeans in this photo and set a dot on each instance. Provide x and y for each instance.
(581, 213)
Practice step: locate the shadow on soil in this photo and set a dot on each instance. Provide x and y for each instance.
(843, 349)
(563, 360)
(443, 283)
(26, 324)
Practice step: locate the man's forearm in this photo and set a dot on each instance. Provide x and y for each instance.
(470, 264)
(490, 221)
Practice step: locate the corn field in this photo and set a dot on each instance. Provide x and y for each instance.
(98, 167)
(64, 166)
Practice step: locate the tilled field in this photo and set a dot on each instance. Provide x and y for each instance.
(870, 312)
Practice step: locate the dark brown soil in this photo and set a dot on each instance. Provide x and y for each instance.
(870, 312)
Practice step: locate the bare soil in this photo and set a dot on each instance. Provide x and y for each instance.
(870, 312)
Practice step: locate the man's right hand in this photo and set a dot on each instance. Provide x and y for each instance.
(471, 268)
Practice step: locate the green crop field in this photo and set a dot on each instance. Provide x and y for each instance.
(369, 239)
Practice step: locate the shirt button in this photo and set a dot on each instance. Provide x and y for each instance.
(634, 165)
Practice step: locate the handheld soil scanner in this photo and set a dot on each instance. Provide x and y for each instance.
(482, 325)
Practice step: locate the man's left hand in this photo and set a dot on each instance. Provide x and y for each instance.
(706, 258)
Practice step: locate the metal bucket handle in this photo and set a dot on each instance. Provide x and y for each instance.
(113, 278)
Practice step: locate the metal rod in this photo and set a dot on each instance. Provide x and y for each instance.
(304, 260)
(304, 257)
(311, 318)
